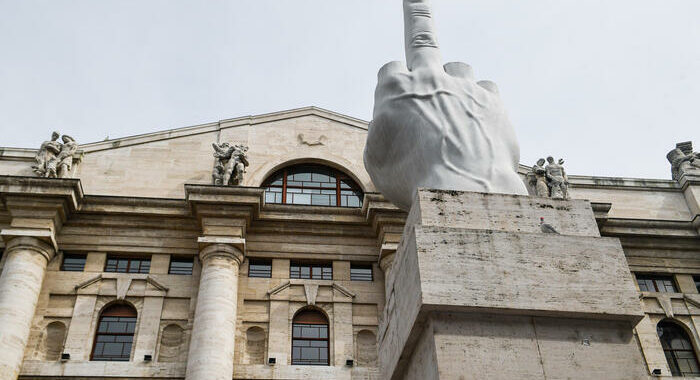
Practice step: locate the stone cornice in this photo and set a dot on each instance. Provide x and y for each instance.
(591, 182)
(70, 190)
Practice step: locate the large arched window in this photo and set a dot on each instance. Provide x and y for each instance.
(310, 338)
(678, 349)
(309, 184)
(115, 334)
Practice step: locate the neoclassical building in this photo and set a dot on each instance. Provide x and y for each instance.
(134, 265)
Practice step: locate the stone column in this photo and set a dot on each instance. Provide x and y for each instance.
(20, 284)
(212, 342)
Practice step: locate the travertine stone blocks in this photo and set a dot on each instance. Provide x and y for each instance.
(475, 277)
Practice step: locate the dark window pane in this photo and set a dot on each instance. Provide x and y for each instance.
(261, 268)
(128, 265)
(73, 263)
(361, 273)
(181, 266)
(656, 283)
(678, 350)
(306, 183)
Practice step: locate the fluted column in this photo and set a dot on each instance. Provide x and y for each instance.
(212, 343)
(20, 284)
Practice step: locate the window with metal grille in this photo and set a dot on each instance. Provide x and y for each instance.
(73, 263)
(654, 283)
(678, 349)
(115, 334)
(259, 268)
(310, 338)
(181, 265)
(315, 185)
(127, 265)
(311, 271)
(360, 272)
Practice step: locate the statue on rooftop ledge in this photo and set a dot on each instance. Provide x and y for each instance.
(683, 160)
(231, 161)
(549, 181)
(55, 159)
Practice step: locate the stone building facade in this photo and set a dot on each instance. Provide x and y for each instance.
(136, 266)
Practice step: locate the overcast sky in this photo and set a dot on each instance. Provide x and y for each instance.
(609, 85)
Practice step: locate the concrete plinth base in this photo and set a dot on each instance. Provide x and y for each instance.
(477, 290)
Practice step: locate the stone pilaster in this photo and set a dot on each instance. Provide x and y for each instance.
(38, 208)
(20, 284)
(212, 343)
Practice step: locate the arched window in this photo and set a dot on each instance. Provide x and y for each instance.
(678, 349)
(310, 338)
(115, 334)
(309, 184)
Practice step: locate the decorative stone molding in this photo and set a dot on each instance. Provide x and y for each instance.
(124, 281)
(31, 240)
(310, 290)
(277, 289)
(223, 250)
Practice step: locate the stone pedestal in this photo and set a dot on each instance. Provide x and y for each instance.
(20, 284)
(212, 343)
(479, 291)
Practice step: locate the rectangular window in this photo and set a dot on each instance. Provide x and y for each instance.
(309, 344)
(654, 283)
(127, 265)
(259, 268)
(311, 271)
(360, 272)
(181, 265)
(73, 263)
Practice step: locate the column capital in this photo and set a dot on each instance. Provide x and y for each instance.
(28, 243)
(225, 250)
(386, 257)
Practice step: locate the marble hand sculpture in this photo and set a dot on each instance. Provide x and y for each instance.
(434, 126)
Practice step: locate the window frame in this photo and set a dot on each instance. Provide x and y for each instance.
(176, 259)
(115, 311)
(257, 273)
(72, 256)
(129, 260)
(670, 353)
(343, 182)
(653, 278)
(362, 277)
(311, 266)
(306, 318)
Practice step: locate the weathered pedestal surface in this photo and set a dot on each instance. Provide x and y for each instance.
(477, 290)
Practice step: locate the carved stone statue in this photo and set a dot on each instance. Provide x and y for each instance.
(231, 161)
(55, 159)
(538, 179)
(683, 160)
(435, 126)
(557, 180)
(48, 150)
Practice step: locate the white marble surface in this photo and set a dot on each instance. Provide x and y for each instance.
(434, 126)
